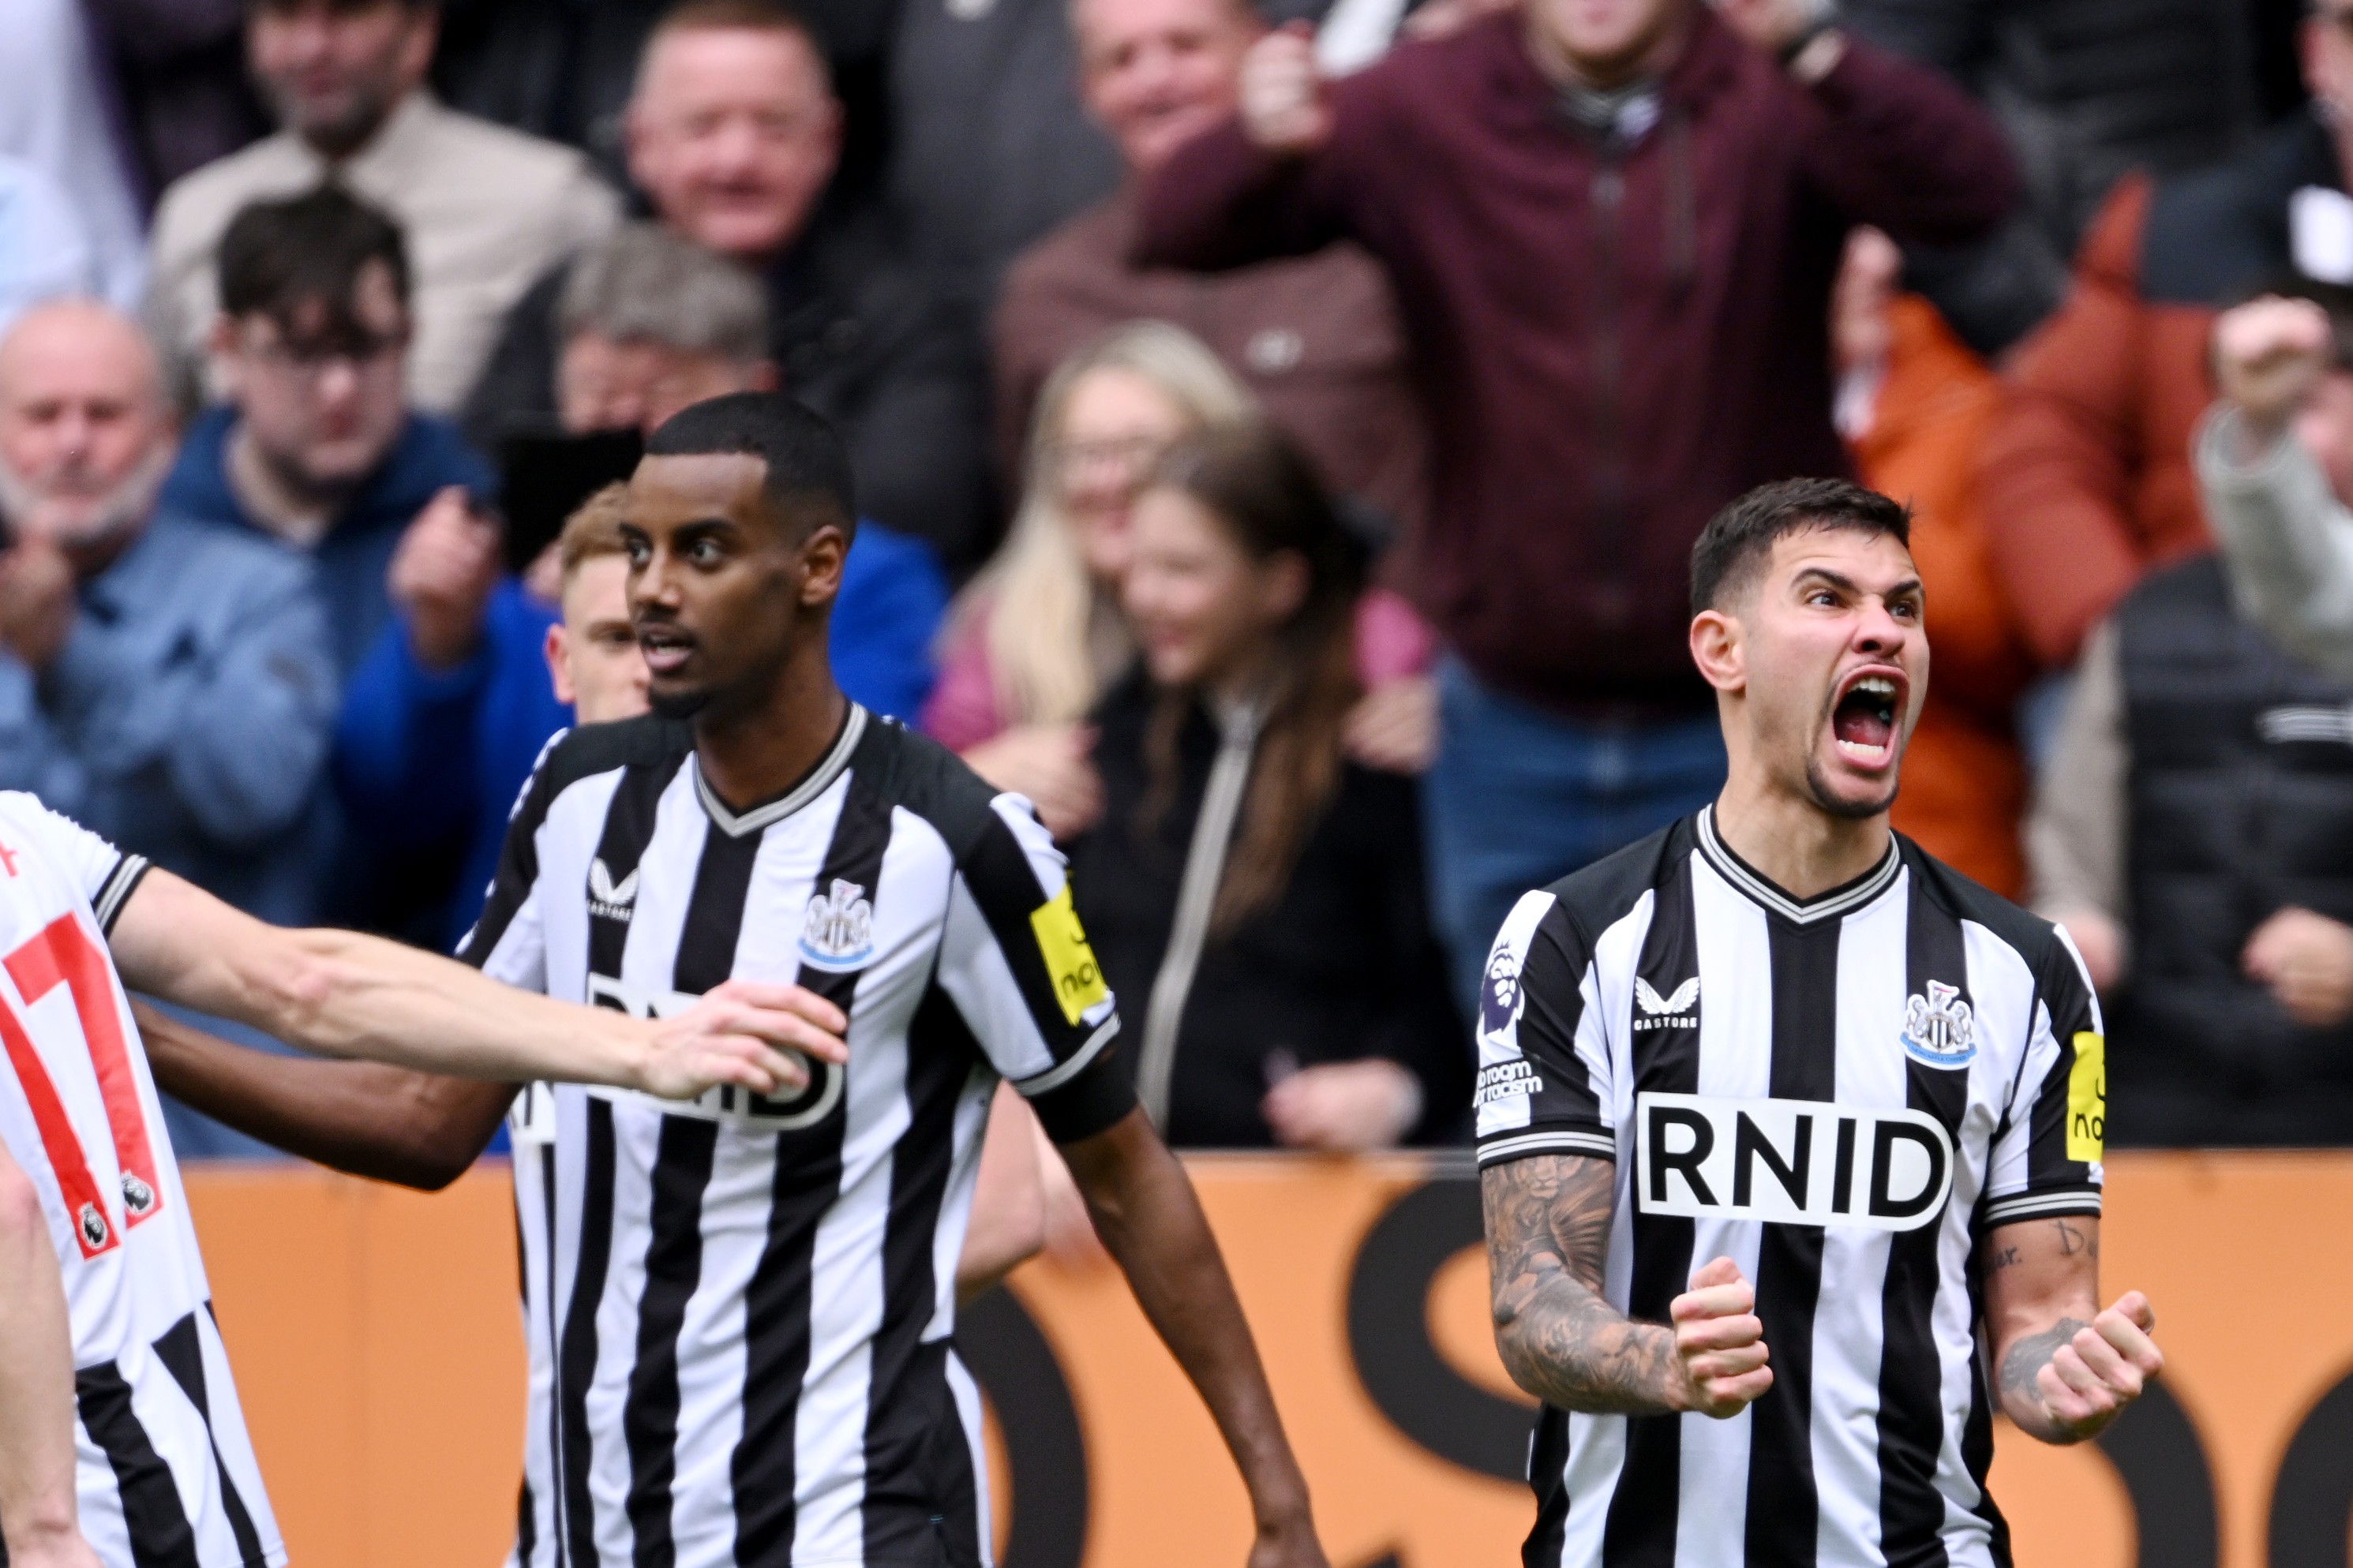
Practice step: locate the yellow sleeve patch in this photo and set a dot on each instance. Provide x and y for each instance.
(2087, 1099)
(1070, 962)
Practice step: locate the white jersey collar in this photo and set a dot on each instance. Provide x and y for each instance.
(761, 817)
(1839, 900)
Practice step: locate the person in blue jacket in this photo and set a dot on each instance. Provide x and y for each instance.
(317, 447)
(450, 705)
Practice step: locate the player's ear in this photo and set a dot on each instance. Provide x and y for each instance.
(1719, 649)
(822, 554)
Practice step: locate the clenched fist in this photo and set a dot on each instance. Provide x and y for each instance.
(2101, 1368)
(1285, 108)
(2268, 354)
(1720, 1342)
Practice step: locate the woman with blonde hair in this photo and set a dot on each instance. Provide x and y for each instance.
(1038, 636)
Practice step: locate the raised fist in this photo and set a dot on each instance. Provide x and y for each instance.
(2268, 354)
(1285, 106)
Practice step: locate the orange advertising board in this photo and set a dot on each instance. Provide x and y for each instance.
(376, 1341)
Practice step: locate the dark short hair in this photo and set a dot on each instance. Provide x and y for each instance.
(741, 17)
(277, 255)
(1733, 547)
(808, 474)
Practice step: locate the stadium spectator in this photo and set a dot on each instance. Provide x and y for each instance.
(2087, 475)
(2055, 73)
(1613, 231)
(1262, 890)
(1317, 338)
(734, 134)
(451, 707)
(166, 683)
(2274, 467)
(1913, 405)
(316, 447)
(485, 210)
(2189, 829)
(53, 116)
(1038, 637)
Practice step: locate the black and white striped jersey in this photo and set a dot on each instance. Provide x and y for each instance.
(1842, 1094)
(740, 1308)
(166, 1477)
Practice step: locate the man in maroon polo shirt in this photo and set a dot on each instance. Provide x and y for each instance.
(1611, 226)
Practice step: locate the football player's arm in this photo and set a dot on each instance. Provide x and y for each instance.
(37, 1517)
(2064, 1368)
(340, 993)
(1008, 1199)
(1144, 1210)
(1547, 1220)
(392, 1124)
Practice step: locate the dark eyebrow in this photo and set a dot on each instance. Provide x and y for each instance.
(1838, 580)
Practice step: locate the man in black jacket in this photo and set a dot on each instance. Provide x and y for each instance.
(735, 135)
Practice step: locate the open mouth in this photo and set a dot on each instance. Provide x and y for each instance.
(665, 647)
(1863, 719)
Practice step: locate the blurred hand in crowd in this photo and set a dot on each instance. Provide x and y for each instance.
(1442, 18)
(2100, 941)
(1343, 1106)
(1052, 765)
(1156, 73)
(86, 433)
(2273, 362)
(1394, 727)
(335, 69)
(441, 576)
(1772, 25)
(1286, 105)
(734, 134)
(36, 600)
(2306, 959)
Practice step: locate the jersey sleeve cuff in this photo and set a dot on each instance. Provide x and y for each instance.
(2044, 1203)
(1079, 1098)
(1594, 1142)
(116, 890)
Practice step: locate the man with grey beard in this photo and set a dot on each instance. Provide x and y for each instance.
(167, 684)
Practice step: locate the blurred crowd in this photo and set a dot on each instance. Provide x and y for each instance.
(1280, 430)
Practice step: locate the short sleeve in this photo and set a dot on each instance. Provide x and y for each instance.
(2046, 1154)
(98, 871)
(1544, 1055)
(509, 942)
(1015, 963)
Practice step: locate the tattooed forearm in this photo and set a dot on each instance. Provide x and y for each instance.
(1547, 1234)
(2021, 1365)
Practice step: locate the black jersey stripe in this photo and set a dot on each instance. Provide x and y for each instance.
(764, 1468)
(1547, 1466)
(1784, 1507)
(182, 1352)
(911, 1398)
(576, 1366)
(152, 1515)
(557, 1541)
(1911, 1373)
(1640, 1530)
(683, 1157)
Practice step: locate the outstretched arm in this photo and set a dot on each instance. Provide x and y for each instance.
(393, 1124)
(1144, 1210)
(37, 1517)
(338, 994)
(1547, 1237)
(2064, 1368)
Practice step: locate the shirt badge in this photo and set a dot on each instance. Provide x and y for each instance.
(1938, 1029)
(1499, 994)
(1678, 1009)
(838, 933)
